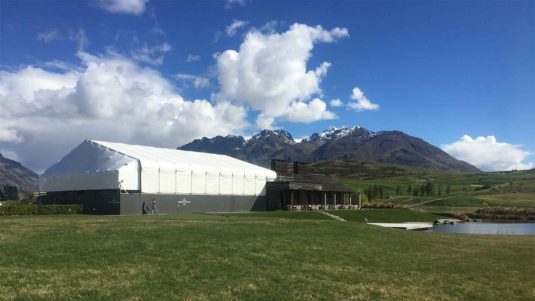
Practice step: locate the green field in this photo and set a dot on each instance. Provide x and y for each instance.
(453, 192)
(256, 256)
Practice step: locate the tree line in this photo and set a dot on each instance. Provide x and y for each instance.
(377, 192)
(9, 192)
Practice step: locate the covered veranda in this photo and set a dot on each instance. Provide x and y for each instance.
(310, 193)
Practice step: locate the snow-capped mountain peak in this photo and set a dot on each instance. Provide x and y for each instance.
(273, 134)
(334, 133)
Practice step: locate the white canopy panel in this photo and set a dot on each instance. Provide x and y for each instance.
(154, 170)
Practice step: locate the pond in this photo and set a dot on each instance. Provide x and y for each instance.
(486, 228)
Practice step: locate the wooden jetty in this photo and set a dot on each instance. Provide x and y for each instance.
(405, 226)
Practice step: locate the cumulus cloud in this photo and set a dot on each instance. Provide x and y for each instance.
(488, 154)
(269, 72)
(153, 55)
(197, 81)
(361, 103)
(335, 102)
(193, 58)
(232, 29)
(131, 7)
(308, 112)
(48, 36)
(44, 114)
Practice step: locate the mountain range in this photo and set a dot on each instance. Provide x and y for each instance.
(346, 143)
(12, 173)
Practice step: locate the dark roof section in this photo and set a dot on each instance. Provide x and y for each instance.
(311, 182)
(296, 176)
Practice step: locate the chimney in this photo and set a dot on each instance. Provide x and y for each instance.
(300, 168)
(279, 166)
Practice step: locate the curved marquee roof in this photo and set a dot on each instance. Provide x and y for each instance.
(152, 169)
(167, 157)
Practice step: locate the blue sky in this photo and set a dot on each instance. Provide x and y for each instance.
(437, 70)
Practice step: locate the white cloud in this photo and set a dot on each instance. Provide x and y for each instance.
(308, 112)
(198, 81)
(269, 72)
(44, 114)
(361, 103)
(48, 36)
(232, 29)
(153, 55)
(60, 65)
(335, 102)
(232, 3)
(193, 58)
(488, 154)
(270, 27)
(10, 135)
(131, 7)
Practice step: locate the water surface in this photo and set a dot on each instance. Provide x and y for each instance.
(487, 228)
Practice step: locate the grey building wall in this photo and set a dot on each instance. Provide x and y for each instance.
(170, 203)
(93, 201)
(111, 202)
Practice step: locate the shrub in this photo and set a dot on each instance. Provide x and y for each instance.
(484, 187)
(504, 213)
(27, 209)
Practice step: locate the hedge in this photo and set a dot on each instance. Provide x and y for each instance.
(383, 205)
(27, 209)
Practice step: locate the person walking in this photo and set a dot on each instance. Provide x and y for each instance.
(154, 210)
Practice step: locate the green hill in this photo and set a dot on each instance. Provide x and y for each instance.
(452, 190)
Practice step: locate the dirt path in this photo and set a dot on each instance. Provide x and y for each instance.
(336, 217)
(433, 200)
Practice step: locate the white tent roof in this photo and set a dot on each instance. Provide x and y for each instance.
(167, 157)
(106, 165)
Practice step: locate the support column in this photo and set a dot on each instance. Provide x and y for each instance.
(350, 199)
(292, 197)
(335, 199)
(325, 200)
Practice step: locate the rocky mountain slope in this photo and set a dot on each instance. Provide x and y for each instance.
(346, 143)
(14, 174)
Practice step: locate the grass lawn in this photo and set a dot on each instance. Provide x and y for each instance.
(253, 257)
(275, 214)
